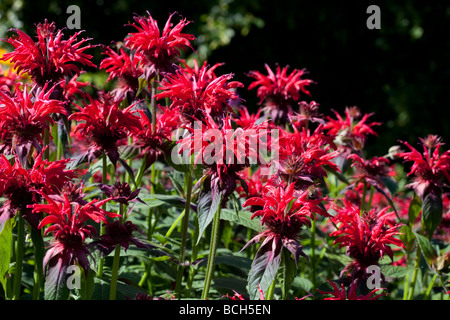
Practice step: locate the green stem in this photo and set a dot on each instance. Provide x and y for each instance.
(430, 287)
(194, 256)
(115, 266)
(212, 252)
(184, 233)
(313, 252)
(114, 273)
(271, 290)
(20, 246)
(416, 271)
(405, 290)
(102, 227)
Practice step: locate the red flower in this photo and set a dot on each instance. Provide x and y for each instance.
(22, 187)
(309, 112)
(118, 233)
(223, 150)
(155, 141)
(160, 50)
(24, 118)
(430, 168)
(68, 224)
(283, 216)
(246, 120)
(349, 133)
(255, 184)
(372, 170)
(279, 91)
(195, 94)
(367, 237)
(120, 192)
(51, 58)
(105, 125)
(303, 157)
(125, 67)
(342, 294)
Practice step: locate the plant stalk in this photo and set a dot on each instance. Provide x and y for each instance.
(102, 227)
(416, 271)
(115, 266)
(20, 246)
(212, 252)
(184, 233)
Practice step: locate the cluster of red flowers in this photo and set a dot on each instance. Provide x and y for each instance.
(42, 180)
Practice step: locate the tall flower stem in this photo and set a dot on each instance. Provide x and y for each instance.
(116, 261)
(194, 256)
(20, 246)
(212, 252)
(180, 268)
(271, 290)
(102, 227)
(313, 251)
(430, 287)
(416, 271)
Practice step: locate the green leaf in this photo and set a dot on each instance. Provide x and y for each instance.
(286, 273)
(208, 204)
(415, 206)
(128, 170)
(5, 250)
(302, 283)
(87, 284)
(242, 218)
(389, 270)
(432, 208)
(407, 237)
(427, 249)
(263, 271)
(56, 280)
(391, 184)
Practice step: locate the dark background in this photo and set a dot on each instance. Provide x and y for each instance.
(400, 72)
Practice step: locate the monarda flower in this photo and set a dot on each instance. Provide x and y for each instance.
(342, 294)
(309, 113)
(120, 193)
(304, 157)
(25, 118)
(195, 94)
(283, 215)
(22, 187)
(154, 142)
(70, 224)
(223, 150)
(126, 67)
(105, 124)
(118, 233)
(431, 169)
(367, 237)
(279, 91)
(49, 59)
(160, 50)
(351, 133)
(373, 170)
